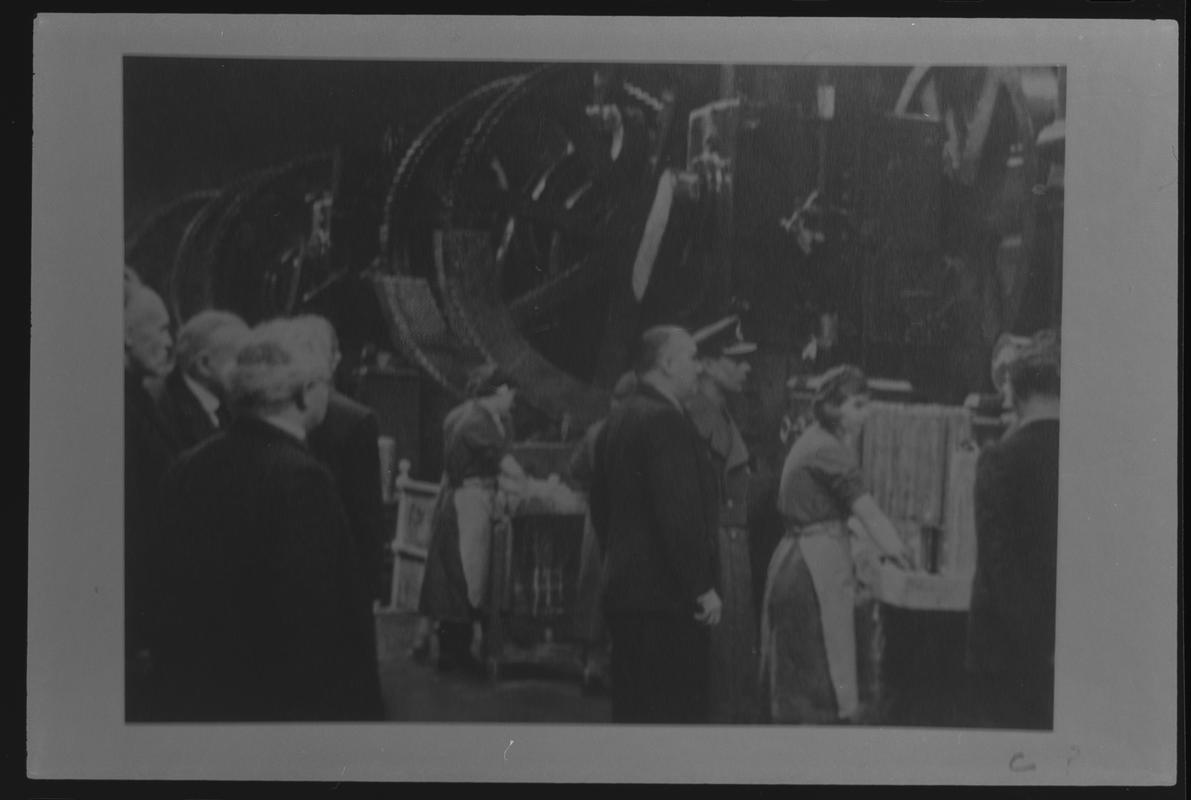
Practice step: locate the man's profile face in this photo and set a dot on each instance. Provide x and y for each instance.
(853, 412)
(317, 395)
(729, 374)
(148, 344)
(218, 359)
(681, 366)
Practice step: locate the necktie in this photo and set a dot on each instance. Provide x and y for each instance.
(223, 417)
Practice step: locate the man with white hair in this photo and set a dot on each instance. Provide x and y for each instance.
(268, 620)
(148, 344)
(149, 444)
(193, 399)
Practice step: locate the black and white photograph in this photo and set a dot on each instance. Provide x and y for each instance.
(689, 398)
(841, 282)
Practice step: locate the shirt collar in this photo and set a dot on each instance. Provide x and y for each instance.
(292, 428)
(206, 398)
(664, 393)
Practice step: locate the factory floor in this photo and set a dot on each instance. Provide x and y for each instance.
(921, 680)
(416, 692)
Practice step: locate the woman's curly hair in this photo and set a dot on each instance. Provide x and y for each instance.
(838, 384)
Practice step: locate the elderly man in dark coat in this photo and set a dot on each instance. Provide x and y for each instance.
(655, 508)
(1011, 622)
(193, 399)
(268, 618)
(149, 445)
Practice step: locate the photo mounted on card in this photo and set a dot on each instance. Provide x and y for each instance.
(572, 392)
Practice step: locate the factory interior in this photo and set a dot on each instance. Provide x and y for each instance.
(905, 219)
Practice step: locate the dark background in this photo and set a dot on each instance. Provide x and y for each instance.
(198, 123)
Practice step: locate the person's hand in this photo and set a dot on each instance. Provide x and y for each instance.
(903, 559)
(710, 608)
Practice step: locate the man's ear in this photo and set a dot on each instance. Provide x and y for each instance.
(300, 398)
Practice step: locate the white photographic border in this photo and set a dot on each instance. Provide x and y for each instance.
(1115, 701)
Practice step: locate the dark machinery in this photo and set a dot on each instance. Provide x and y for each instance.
(544, 219)
(526, 207)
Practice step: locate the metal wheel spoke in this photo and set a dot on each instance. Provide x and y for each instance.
(560, 219)
(576, 279)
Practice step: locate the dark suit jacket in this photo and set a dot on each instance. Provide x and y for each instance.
(346, 442)
(655, 508)
(1011, 625)
(149, 446)
(268, 619)
(183, 412)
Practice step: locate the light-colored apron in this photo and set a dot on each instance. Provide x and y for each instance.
(826, 549)
(474, 506)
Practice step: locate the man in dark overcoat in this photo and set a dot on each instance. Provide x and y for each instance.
(1011, 622)
(347, 441)
(723, 354)
(655, 508)
(268, 620)
(149, 446)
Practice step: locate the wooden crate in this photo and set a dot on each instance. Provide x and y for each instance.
(408, 570)
(411, 539)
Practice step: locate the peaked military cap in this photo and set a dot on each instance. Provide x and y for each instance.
(723, 338)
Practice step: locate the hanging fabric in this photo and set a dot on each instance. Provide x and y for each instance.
(919, 464)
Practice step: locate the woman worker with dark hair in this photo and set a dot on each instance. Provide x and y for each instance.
(477, 437)
(808, 640)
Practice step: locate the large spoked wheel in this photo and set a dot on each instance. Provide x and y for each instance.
(547, 197)
(262, 249)
(411, 237)
(151, 246)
